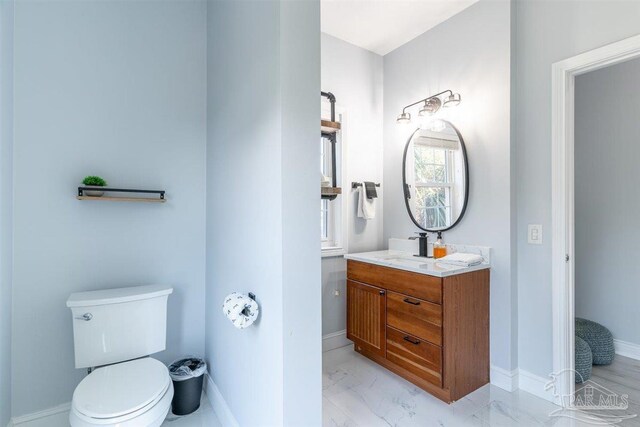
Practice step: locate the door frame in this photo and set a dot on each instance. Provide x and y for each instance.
(563, 198)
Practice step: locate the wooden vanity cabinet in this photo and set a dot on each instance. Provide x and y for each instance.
(431, 331)
(366, 308)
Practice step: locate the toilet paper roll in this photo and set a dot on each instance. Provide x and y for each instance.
(240, 309)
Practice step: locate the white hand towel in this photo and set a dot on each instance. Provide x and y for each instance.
(366, 207)
(462, 259)
(240, 309)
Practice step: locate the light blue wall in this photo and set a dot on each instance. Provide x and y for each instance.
(262, 202)
(6, 206)
(334, 308)
(470, 54)
(302, 306)
(244, 203)
(547, 32)
(116, 89)
(354, 76)
(302, 303)
(607, 206)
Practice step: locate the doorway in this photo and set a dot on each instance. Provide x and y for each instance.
(563, 200)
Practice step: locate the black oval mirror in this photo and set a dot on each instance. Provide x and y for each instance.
(435, 175)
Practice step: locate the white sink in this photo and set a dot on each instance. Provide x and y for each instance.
(408, 262)
(415, 262)
(405, 260)
(400, 256)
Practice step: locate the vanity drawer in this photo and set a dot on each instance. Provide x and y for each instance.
(417, 317)
(415, 355)
(417, 285)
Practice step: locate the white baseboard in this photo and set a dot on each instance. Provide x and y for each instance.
(56, 414)
(535, 385)
(219, 405)
(627, 349)
(506, 380)
(335, 340)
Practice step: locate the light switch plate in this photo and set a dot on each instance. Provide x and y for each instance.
(534, 234)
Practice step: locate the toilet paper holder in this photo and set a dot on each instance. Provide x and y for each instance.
(253, 297)
(241, 309)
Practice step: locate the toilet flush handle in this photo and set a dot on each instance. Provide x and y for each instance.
(86, 317)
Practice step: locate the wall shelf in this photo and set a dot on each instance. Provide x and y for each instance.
(122, 199)
(330, 193)
(327, 126)
(82, 196)
(329, 130)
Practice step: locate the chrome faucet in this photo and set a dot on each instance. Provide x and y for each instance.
(422, 244)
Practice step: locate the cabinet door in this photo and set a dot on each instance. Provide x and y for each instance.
(366, 310)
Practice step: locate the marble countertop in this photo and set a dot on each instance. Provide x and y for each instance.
(408, 262)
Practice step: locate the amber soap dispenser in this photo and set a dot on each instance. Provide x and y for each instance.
(439, 248)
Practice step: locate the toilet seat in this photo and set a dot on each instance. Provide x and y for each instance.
(123, 394)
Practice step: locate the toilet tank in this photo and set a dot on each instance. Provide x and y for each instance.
(114, 325)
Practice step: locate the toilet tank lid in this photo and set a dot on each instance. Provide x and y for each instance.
(119, 295)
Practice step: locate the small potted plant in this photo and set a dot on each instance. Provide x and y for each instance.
(94, 181)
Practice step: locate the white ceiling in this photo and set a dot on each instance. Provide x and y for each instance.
(384, 25)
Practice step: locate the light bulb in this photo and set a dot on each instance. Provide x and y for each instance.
(432, 124)
(404, 118)
(453, 100)
(431, 106)
(437, 125)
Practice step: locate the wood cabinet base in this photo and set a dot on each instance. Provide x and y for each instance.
(441, 393)
(434, 332)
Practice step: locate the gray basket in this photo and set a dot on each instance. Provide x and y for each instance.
(583, 360)
(599, 339)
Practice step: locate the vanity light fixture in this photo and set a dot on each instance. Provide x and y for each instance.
(404, 118)
(452, 100)
(431, 105)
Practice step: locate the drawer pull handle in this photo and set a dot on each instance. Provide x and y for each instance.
(408, 301)
(414, 342)
(381, 292)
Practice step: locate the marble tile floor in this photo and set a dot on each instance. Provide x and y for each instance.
(358, 392)
(204, 416)
(622, 377)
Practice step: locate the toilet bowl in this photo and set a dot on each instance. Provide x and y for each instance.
(135, 393)
(117, 330)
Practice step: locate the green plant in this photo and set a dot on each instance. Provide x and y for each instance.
(94, 180)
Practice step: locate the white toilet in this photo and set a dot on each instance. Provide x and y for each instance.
(114, 330)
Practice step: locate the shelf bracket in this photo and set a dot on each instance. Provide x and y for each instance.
(82, 189)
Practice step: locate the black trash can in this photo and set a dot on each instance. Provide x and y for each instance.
(187, 375)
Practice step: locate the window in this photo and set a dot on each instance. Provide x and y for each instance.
(326, 206)
(332, 212)
(434, 183)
